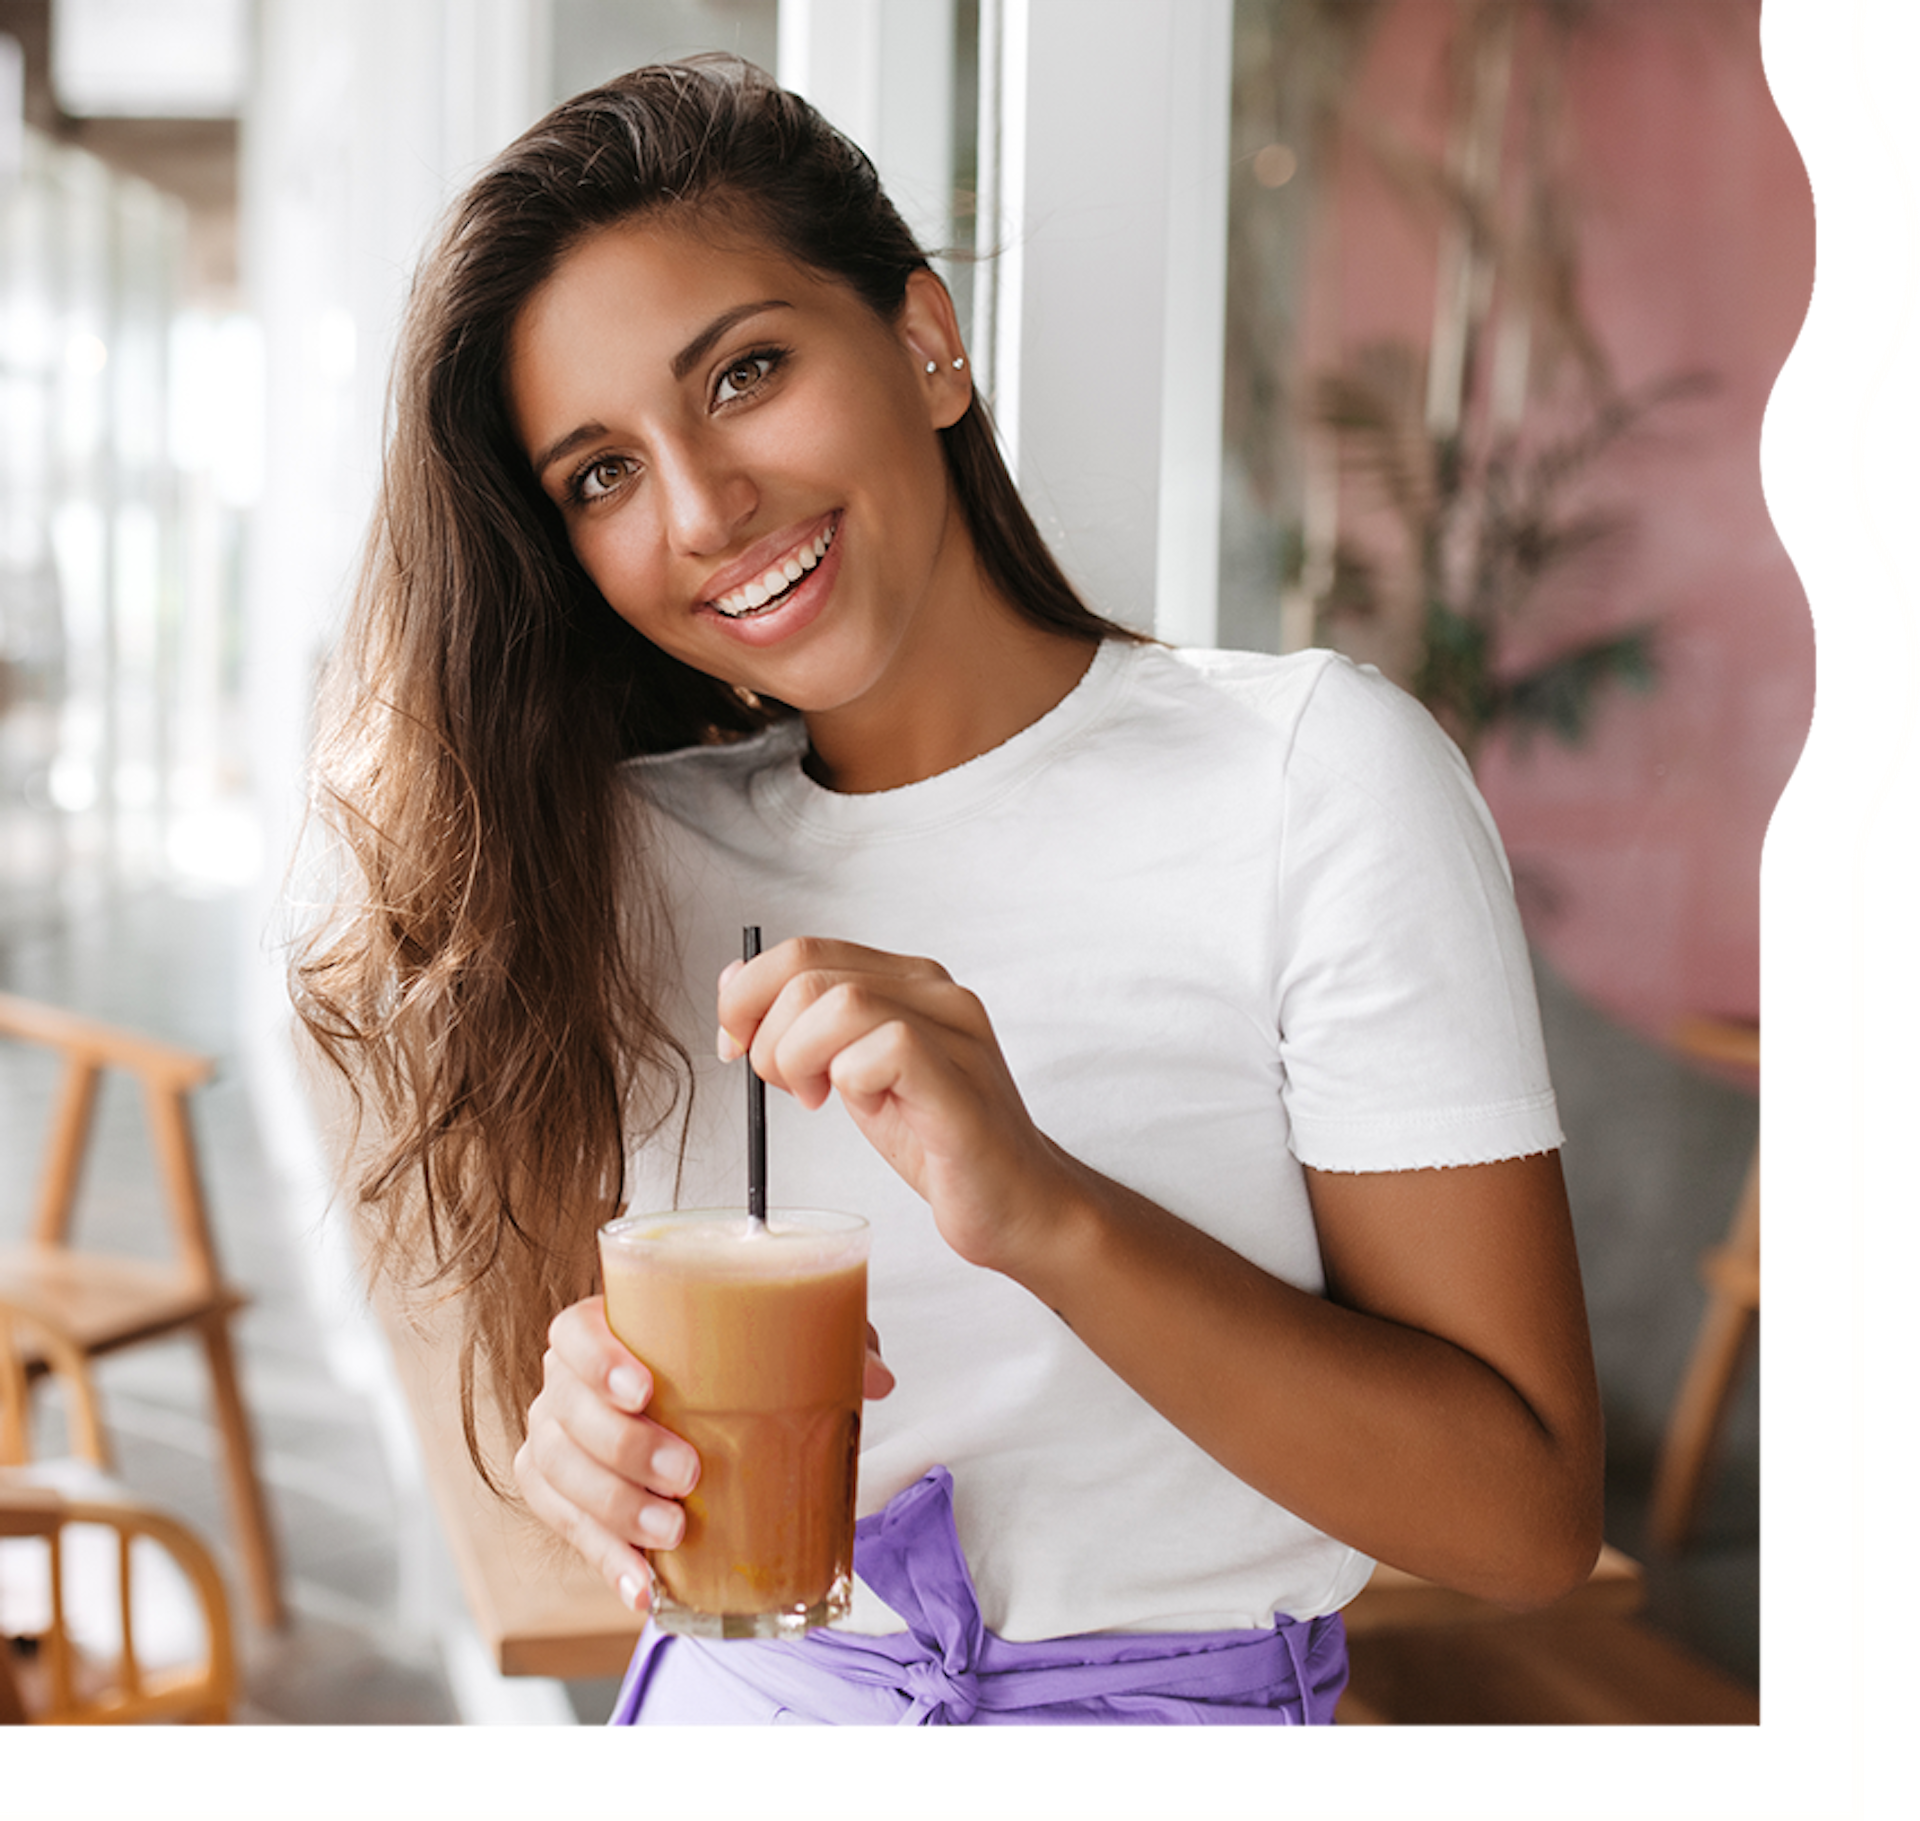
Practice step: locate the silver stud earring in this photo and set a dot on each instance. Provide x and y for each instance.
(933, 366)
(959, 362)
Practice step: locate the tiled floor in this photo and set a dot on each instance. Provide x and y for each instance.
(363, 1647)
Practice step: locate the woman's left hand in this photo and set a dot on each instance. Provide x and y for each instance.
(915, 1061)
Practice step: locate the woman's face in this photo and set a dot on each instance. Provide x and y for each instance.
(745, 456)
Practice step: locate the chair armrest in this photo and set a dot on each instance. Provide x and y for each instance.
(89, 1038)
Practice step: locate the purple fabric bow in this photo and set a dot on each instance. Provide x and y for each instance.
(948, 1669)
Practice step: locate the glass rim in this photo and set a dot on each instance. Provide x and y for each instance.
(810, 1223)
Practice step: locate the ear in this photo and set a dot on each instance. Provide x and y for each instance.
(931, 333)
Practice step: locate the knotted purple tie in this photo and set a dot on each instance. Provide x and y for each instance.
(948, 1669)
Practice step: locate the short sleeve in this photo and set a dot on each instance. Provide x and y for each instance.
(1409, 1028)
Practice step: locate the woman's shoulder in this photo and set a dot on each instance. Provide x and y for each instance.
(1320, 692)
(1324, 727)
(1266, 683)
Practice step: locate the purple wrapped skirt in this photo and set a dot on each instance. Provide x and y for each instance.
(947, 1669)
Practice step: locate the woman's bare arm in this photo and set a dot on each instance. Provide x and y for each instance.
(1437, 1410)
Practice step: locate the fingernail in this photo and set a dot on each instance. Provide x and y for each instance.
(729, 1050)
(660, 1526)
(733, 967)
(674, 1467)
(631, 1592)
(627, 1388)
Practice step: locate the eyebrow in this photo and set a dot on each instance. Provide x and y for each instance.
(695, 351)
(682, 364)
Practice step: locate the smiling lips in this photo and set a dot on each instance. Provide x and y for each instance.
(770, 588)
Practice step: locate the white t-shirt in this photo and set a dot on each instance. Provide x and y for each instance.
(1229, 914)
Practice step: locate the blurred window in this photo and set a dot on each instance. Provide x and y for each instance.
(1280, 63)
(112, 606)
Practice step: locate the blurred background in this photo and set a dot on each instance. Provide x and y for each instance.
(1437, 330)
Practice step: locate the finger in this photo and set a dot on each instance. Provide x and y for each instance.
(816, 1017)
(604, 1512)
(592, 1390)
(623, 1497)
(820, 1014)
(879, 1379)
(730, 1051)
(580, 1337)
(572, 1415)
(618, 1562)
(748, 990)
(881, 1062)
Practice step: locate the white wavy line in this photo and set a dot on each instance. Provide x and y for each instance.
(1861, 842)
(1863, 509)
(1901, 594)
(1863, 506)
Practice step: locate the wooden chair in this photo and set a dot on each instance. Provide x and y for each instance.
(1732, 1275)
(102, 1302)
(110, 1610)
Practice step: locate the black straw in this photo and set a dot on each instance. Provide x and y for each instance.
(756, 1108)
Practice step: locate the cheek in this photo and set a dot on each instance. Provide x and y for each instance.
(874, 432)
(626, 567)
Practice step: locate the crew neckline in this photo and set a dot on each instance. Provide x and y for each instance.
(786, 791)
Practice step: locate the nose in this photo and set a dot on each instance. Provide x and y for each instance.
(706, 495)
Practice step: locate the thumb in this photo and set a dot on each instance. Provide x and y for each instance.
(879, 1378)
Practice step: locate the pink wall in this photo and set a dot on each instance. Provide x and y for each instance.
(1697, 251)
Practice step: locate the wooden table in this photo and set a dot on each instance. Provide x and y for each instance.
(539, 1610)
(1393, 1601)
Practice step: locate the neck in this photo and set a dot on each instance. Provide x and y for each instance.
(990, 685)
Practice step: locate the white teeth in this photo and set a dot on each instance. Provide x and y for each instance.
(777, 580)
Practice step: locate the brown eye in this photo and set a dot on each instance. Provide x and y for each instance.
(744, 376)
(599, 478)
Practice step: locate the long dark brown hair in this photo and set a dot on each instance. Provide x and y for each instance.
(486, 979)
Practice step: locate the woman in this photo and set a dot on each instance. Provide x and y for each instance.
(1220, 1241)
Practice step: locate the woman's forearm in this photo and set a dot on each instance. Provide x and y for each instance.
(1436, 1410)
(1400, 1442)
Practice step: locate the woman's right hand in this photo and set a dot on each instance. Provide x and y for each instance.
(594, 1468)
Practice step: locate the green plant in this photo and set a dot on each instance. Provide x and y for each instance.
(1439, 496)
(1486, 519)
